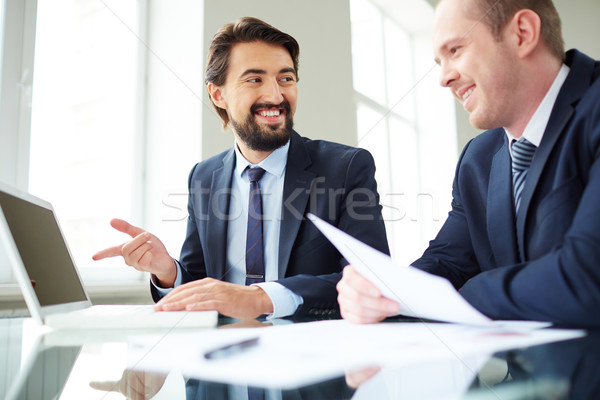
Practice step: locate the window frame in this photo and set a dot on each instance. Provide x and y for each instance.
(17, 66)
(16, 79)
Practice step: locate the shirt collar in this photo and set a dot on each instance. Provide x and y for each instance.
(274, 163)
(534, 131)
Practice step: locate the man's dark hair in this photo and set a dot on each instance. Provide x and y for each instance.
(244, 30)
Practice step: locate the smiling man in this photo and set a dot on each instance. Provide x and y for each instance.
(522, 240)
(249, 250)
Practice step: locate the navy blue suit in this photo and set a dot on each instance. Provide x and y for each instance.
(546, 266)
(333, 181)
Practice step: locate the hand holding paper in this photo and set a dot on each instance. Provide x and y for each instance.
(361, 302)
(419, 293)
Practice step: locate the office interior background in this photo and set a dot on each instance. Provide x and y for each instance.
(103, 111)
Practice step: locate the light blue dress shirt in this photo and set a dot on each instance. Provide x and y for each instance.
(285, 302)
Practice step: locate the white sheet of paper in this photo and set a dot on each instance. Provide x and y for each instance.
(419, 293)
(300, 354)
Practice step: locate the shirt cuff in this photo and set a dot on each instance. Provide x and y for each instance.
(165, 291)
(285, 302)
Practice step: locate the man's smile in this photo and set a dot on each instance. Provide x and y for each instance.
(269, 113)
(464, 94)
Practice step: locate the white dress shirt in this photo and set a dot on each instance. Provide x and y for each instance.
(534, 131)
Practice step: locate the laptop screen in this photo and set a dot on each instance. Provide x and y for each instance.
(44, 253)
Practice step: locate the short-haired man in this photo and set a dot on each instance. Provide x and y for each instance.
(522, 240)
(251, 78)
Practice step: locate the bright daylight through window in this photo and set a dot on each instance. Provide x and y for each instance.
(85, 149)
(396, 86)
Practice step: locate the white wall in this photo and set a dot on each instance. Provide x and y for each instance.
(580, 25)
(326, 108)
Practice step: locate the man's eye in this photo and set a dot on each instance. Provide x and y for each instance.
(454, 50)
(253, 80)
(287, 79)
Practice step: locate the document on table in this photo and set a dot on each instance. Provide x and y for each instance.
(419, 293)
(317, 351)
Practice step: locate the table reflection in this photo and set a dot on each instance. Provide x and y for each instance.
(331, 389)
(562, 370)
(48, 366)
(134, 385)
(44, 374)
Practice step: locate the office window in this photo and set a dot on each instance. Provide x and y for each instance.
(86, 150)
(5, 273)
(17, 27)
(404, 118)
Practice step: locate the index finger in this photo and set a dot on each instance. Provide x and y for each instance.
(105, 386)
(182, 295)
(110, 252)
(126, 227)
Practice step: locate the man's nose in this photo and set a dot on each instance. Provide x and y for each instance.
(272, 92)
(448, 75)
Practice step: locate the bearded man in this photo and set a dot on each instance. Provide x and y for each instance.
(249, 251)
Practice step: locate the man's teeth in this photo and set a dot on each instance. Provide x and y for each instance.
(269, 113)
(467, 94)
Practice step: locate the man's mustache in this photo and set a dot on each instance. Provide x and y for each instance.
(284, 104)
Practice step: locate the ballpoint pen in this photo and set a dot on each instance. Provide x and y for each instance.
(231, 349)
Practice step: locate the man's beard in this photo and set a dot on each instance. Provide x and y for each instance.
(264, 138)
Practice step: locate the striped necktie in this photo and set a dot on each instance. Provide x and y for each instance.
(522, 155)
(255, 265)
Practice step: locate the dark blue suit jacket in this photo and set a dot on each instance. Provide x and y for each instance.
(556, 276)
(333, 181)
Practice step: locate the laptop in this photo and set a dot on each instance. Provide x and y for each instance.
(50, 282)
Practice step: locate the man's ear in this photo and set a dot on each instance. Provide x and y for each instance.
(216, 94)
(525, 30)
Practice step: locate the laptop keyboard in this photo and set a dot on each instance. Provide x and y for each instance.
(133, 309)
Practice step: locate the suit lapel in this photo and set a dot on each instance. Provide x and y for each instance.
(218, 209)
(296, 192)
(562, 114)
(571, 92)
(500, 210)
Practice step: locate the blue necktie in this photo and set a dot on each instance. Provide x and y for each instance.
(255, 265)
(522, 155)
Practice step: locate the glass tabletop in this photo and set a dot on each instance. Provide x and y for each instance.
(37, 364)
